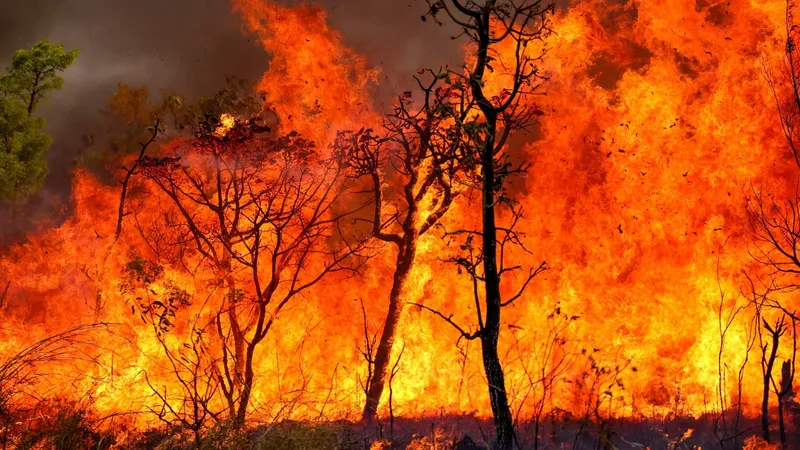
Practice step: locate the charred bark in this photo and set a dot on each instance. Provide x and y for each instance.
(383, 354)
(503, 421)
(767, 364)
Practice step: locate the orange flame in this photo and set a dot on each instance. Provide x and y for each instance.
(657, 120)
(226, 123)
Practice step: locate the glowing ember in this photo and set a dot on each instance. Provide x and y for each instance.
(226, 123)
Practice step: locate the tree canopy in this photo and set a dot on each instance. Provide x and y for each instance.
(33, 74)
(131, 111)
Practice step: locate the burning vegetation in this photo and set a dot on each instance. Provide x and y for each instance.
(585, 235)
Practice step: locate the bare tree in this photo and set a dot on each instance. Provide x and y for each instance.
(189, 365)
(253, 213)
(769, 350)
(130, 172)
(472, 261)
(783, 387)
(553, 354)
(522, 25)
(775, 229)
(727, 423)
(418, 155)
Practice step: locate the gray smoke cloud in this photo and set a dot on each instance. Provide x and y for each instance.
(187, 46)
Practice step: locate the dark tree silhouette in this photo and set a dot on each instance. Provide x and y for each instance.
(253, 211)
(487, 24)
(418, 154)
(774, 225)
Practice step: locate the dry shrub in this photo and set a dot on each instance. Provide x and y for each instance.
(63, 425)
(758, 443)
(302, 436)
(441, 440)
(283, 436)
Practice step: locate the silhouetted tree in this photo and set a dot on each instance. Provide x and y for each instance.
(727, 423)
(775, 230)
(254, 212)
(410, 166)
(520, 26)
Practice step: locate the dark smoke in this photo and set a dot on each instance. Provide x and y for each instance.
(187, 46)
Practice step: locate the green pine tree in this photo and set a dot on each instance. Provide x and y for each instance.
(33, 75)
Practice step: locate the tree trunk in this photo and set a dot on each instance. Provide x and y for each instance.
(767, 378)
(503, 422)
(383, 354)
(237, 401)
(781, 426)
(246, 387)
(785, 393)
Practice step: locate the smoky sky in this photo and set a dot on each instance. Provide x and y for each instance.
(188, 46)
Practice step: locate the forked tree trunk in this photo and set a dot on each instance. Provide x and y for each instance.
(237, 402)
(383, 354)
(767, 378)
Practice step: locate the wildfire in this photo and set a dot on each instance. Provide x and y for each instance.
(226, 123)
(656, 125)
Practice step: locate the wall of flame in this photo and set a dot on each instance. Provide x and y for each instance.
(658, 121)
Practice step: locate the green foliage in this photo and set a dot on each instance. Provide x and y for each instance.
(126, 122)
(22, 150)
(32, 76)
(35, 73)
(237, 98)
(140, 273)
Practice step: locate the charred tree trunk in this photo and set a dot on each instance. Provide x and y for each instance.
(383, 354)
(767, 379)
(232, 371)
(784, 394)
(503, 421)
(247, 387)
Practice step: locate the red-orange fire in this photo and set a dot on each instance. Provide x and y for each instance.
(657, 122)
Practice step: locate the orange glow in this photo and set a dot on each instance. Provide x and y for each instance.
(226, 123)
(657, 121)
